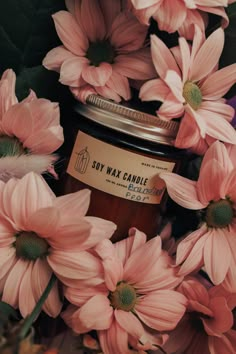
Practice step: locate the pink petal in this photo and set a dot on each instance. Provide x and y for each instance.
(170, 15)
(44, 113)
(154, 90)
(222, 344)
(217, 151)
(161, 310)
(26, 297)
(71, 70)
(106, 92)
(208, 56)
(97, 75)
(13, 283)
(43, 222)
(71, 236)
(199, 36)
(219, 11)
(7, 234)
(222, 320)
(114, 340)
(80, 296)
(219, 83)
(193, 290)
(185, 58)
(162, 57)
(45, 141)
(7, 91)
(137, 65)
(186, 245)
(209, 182)
(96, 314)
(124, 248)
(74, 265)
(73, 204)
(92, 20)
(127, 33)
(56, 57)
(134, 270)
(30, 194)
(82, 93)
(219, 109)
(120, 85)
(113, 272)
(41, 275)
(182, 190)
(228, 187)
(110, 10)
(70, 33)
(130, 323)
(14, 118)
(194, 260)
(170, 108)
(188, 135)
(173, 80)
(217, 244)
(187, 29)
(140, 4)
(217, 127)
(7, 260)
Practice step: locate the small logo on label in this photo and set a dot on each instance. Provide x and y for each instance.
(82, 160)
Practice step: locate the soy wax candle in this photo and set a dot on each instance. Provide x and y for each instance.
(118, 154)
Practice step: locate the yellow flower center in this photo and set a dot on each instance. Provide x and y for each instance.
(10, 146)
(100, 52)
(124, 297)
(192, 95)
(30, 246)
(219, 214)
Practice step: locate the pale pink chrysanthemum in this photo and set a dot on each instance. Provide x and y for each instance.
(213, 245)
(191, 87)
(207, 326)
(137, 296)
(30, 132)
(180, 15)
(103, 47)
(40, 235)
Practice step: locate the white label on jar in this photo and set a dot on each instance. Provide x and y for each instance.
(117, 171)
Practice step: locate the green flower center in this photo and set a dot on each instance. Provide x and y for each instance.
(10, 146)
(192, 95)
(124, 297)
(30, 246)
(219, 214)
(99, 52)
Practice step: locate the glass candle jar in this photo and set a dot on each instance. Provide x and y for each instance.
(118, 154)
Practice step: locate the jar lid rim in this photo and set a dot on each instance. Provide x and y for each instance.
(128, 120)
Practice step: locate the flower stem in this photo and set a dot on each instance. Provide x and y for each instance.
(36, 311)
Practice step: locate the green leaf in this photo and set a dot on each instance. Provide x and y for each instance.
(27, 32)
(7, 312)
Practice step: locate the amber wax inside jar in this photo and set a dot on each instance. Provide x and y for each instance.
(118, 154)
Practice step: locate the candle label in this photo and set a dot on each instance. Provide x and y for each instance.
(117, 171)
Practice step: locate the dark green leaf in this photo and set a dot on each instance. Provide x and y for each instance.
(7, 312)
(27, 32)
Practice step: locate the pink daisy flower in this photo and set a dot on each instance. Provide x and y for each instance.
(180, 15)
(207, 326)
(29, 148)
(213, 244)
(191, 86)
(137, 296)
(103, 46)
(41, 234)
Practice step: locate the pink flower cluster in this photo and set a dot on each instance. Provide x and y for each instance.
(138, 295)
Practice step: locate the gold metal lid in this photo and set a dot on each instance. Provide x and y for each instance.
(127, 120)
